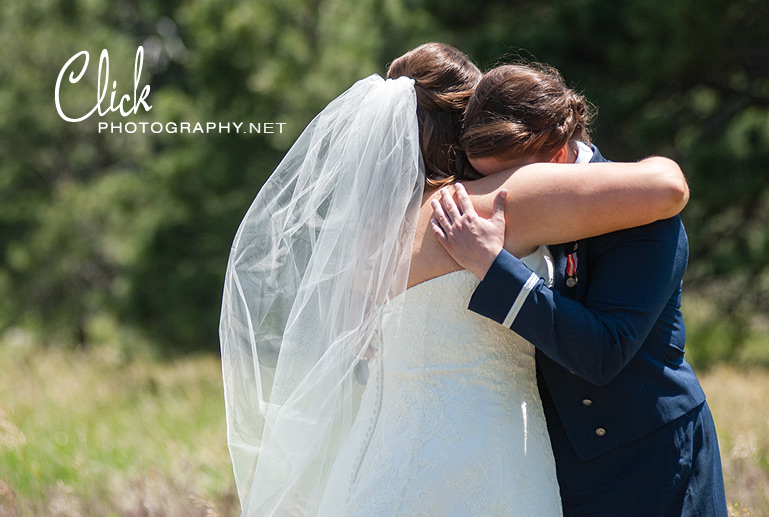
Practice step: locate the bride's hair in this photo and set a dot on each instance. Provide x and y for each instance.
(522, 111)
(445, 79)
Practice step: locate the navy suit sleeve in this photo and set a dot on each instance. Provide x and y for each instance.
(632, 275)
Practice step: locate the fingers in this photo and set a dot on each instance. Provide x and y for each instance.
(440, 217)
(499, 205)
(439, 233)
(465, 205)
(449, 206)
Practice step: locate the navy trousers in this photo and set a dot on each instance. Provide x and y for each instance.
(674, 471)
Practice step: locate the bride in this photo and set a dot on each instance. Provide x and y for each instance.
(356, 380)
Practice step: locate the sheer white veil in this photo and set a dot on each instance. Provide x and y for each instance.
(314, 268)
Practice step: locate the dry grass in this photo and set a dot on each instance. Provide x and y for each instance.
(94, 435)
(739, 400)
(101, 435)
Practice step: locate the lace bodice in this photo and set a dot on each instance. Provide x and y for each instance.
(442, 331)
(451, 422)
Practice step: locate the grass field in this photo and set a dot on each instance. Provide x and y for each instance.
(739, 400)
(98, 434)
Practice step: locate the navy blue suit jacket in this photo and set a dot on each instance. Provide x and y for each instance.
(610, 350)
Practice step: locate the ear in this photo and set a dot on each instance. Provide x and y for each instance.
(562, 156)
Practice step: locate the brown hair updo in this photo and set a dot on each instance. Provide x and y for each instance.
(445, 79)
(523, 111)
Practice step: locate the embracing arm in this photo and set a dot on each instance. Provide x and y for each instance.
(550, 203)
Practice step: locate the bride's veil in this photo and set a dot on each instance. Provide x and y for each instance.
(316, 264)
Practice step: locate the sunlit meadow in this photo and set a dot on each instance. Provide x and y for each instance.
(96, 433)
(100, 433)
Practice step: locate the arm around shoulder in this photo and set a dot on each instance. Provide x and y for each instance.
(551, 203)
(671, 183)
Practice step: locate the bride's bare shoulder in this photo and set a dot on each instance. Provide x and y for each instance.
(428, 258)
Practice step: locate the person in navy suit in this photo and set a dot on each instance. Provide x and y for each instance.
(630, 428)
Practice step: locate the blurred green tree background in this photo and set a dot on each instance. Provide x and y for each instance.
(109, 237)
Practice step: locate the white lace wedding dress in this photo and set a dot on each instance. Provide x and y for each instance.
(450, 423)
